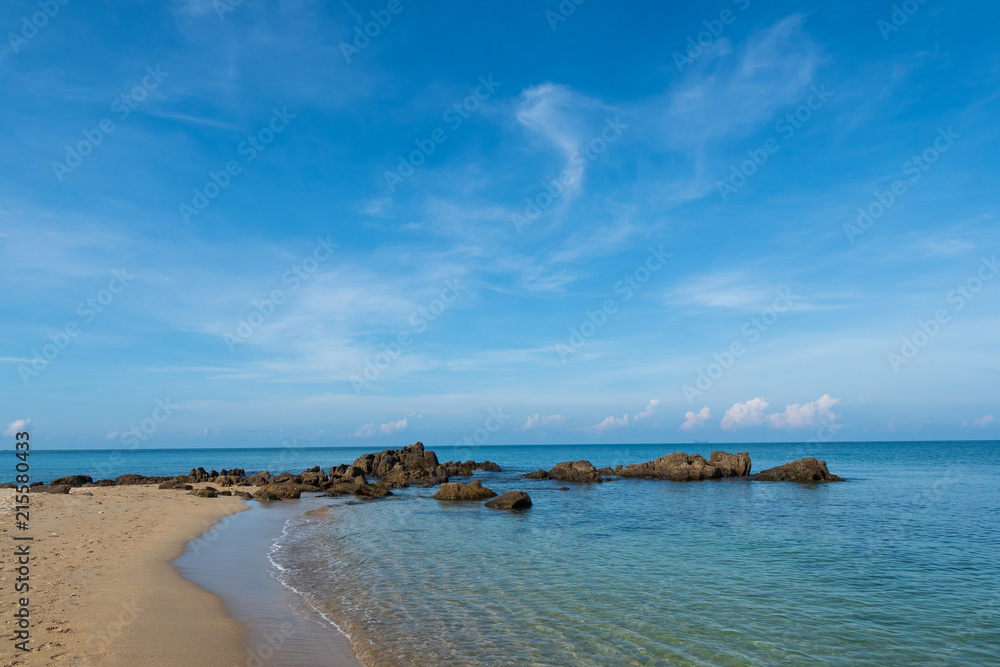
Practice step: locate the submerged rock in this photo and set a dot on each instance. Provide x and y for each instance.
(680, 467)
(474, 490)
(538, 474)
(512, 500)
(800, 470)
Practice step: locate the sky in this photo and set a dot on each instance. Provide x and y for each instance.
(369, 223)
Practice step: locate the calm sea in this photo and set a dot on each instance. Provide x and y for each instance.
(899, 565)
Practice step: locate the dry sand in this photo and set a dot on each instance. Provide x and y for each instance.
(103, 591)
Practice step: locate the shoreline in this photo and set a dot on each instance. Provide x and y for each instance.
(234, 563)
(103, 587)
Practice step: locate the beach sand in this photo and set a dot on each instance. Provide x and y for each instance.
(103, 591)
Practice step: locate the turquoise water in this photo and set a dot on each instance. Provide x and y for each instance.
(896, 566)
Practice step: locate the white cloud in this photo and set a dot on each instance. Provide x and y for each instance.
(366, 431)
(806, 415)
(694, 419)
(392, 427)
(985, 421)
(752, 413)
(535, 421)
(16, 426)
(112, 435)
(740, 415)
(625, 420)
(648, 412)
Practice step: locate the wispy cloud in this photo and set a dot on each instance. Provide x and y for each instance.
(626, 419)
(535, 421)
(16, 426)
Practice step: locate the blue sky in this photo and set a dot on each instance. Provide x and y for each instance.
(233, 224)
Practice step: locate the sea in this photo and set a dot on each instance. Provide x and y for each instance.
(898, 565)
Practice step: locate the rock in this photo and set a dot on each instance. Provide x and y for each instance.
(171, 484)
(459, 491)
(83, 493)
(538, 474)
(371, 490)
(281, 491)
(207, 492)
(266, 495)
(260, 479)
(488, 466)
(225, 493)
(412, 458)
(243, 494)
(8, 485)
(129, 480)
(732, 465)
(606, 471)
(575, 471)
(199, 475)
(512, 500)
(286, 477)
(105, 482)
(48, 488)
(679, 467)
(801, 470)
(73, 480)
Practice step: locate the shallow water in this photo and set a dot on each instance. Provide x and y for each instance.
(896, 566)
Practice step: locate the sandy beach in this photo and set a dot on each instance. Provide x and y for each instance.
(103, 590)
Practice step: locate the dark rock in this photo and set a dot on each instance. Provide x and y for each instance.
(606, 471)
(105, 482)
(286, 477)
(33, 484)
(512, 500)
(266, 495)
(281, 491)
(538, 474)
(459, 491)
(575, 471)
(243, 494)
(8, 485)
(207, 492)
(801, 470)
(371, 490)
(564, 488)
(260, 479)
(171, 484)
(199, 475)
(47, 488)
(73, 480)
(225, 493)
(679, 467)
(412, 458)
(130, 480)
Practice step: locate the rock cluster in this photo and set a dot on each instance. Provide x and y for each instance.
(681, 467)
(800, 470)
(570, 471)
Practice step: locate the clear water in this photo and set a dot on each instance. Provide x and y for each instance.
(899, 565)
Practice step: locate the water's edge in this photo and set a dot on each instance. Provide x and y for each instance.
(231, 560)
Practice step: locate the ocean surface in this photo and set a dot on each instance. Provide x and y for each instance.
(898, 565)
